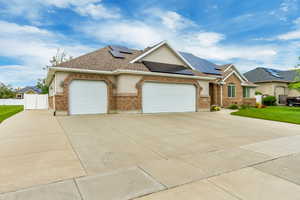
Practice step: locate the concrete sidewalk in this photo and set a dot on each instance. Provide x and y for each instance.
(34, 150)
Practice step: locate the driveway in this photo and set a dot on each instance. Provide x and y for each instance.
(34, 150)
(171, 156)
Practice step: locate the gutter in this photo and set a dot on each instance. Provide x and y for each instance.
(52, 70)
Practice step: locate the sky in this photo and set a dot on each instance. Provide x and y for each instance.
(246, 33)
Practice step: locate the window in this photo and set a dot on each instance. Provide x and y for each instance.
(231, 90)
(246, 92)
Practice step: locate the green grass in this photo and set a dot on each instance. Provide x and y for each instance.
(274, 113)
(8, 111)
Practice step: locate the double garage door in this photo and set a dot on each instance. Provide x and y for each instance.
(90, 97)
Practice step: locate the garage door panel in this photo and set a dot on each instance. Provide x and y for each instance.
(163, 97)
(88, 97)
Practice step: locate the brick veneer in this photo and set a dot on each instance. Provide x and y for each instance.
(62, 100)
(50, 101)
(238, 99)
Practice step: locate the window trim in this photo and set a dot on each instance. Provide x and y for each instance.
(231, 92)
(246, 92)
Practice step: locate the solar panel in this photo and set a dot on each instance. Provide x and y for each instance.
(167, 68)
(273, 72)
(201, 64)
(116, 54)
(121, 49)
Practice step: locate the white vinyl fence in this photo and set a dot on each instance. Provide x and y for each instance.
(30, 101)
(258, 98)
(35, 101)
(11, 102)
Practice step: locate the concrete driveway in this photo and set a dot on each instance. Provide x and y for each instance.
(171, 156)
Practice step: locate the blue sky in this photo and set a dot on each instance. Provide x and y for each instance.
(246, 33)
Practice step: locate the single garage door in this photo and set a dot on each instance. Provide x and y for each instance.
(87, 97)
(165, 97)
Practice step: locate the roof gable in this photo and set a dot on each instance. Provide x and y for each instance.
(163, 53)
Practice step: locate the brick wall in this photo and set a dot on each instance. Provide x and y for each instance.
(238, 99)
(50, 101)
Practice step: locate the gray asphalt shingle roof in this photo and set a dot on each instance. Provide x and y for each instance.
(261, 74)
(23, 90)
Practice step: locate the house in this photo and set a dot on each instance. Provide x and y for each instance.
(274, 82)
(117, 79)
(27, 90)
(232, 88)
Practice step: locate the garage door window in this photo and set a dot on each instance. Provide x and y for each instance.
(231, 90)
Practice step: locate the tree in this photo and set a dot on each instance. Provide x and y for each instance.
(6, 92)
(41, 84)
(296, 84)
(60, 57)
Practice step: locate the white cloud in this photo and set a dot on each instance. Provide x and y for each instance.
(290, 35)
(98, 11)
(33, 9)
(209, 38)
(32, 47)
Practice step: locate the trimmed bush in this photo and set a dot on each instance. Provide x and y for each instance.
(258, 93)
(269, 101)
(233, 107)
(215, 108)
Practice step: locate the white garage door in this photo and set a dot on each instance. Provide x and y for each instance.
(87, 97)
(163, 97)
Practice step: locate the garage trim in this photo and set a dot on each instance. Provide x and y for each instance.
(89, 77)
(155, 79)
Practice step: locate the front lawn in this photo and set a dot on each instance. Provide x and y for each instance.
(8, 111)
(275, 113)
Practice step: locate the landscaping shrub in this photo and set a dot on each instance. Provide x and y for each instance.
(215, 108)
(269, 101)
(233, 107)
(258, 93)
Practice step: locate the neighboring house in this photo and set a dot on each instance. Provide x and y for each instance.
(157, 79)
(27, 90)
(274, 82)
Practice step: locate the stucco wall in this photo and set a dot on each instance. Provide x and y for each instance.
(52, 88)
(270, 89)
(205, 88)
(59, 79)
(265, 88)
(293, 93)
(252, 92)
(164, 55)
(126, 84)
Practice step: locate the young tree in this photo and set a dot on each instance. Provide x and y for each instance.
(60, 57)
(296, 83)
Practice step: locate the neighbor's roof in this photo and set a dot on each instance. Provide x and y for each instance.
(262, 74)
(33, 88)
(103, 60)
